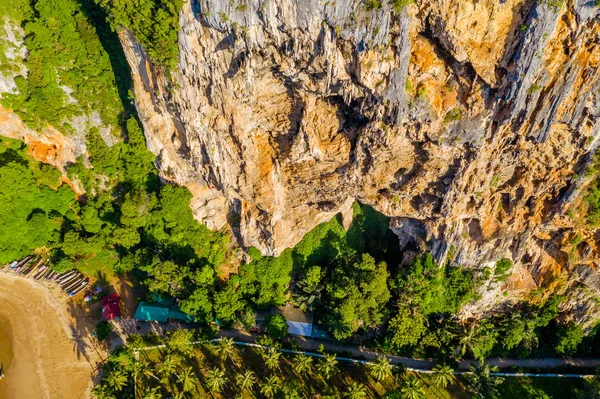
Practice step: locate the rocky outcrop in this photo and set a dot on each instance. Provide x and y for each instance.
(466, 121)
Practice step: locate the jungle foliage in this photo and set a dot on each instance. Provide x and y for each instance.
(69, 73)
(154, 23)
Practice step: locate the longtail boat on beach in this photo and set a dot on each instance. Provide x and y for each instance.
(80, 288)
(70, 287)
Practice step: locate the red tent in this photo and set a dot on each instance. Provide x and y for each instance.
(114, 298)
(110, 307)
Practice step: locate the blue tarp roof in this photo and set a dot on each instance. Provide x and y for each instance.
(297, 328)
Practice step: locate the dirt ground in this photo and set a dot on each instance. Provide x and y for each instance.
(54, 354)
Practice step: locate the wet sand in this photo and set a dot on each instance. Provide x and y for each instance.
(43, 361)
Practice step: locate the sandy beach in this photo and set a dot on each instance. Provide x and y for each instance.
(42, 358)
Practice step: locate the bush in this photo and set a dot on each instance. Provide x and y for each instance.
(103, 330)
(399, 5)
(568, 339)
(371, 5)
(276, 326)
(502, 269)
(455, 114)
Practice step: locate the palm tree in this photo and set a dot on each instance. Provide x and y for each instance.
(444, 375)
(102, 392)
(154, 393)
(188, 379)
(302, 364)
(246, 381)
(270, 387)
(355, 391)
(137, 374)
(167, 367)
(398, 371)
(381, 369)
(148, 372)
(291, 389)
(328, 365)
(216, 380)
(308, 293)
(482, 383)
(271, 358)
(226, 348)
(117, 380)
(413, 389)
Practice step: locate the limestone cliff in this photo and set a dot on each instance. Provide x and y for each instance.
(471, 123)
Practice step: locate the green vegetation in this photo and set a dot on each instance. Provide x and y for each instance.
(34, 205)
(103, 330)
(128, 222)
(455, 114)
(555, 5)
(154, 23)
(371, 5)
(225, 370)
(533, 88)
(65, 55)
(276, 326)
(502, 269)
(592, 197)
(399, 5)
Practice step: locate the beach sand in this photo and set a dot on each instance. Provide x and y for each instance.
(46, 361)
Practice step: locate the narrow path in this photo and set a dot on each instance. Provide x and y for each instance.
(356, 354)
(313, 345)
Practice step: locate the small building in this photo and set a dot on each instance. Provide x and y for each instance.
(299, 322)
(110, 307)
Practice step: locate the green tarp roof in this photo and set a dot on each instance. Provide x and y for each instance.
(176, 314)
(160, 312)
(152, 312)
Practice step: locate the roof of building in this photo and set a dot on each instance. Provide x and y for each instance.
(160, 312)
(111, 311)
(176, 314)
(110, 299)
(297, 328)
(152, 312)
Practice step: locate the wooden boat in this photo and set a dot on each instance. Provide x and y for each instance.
(23, 267)
(33, 268)
(65, 275)
(80, 288)
(22, 261)
(76, 283)
(69, 280)
(41, 270)
(11, 265)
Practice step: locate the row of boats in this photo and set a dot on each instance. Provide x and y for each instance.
(72, 282)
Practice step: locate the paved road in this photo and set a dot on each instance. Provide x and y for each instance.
(125, 327)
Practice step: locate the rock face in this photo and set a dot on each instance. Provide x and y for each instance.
(466, 121)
